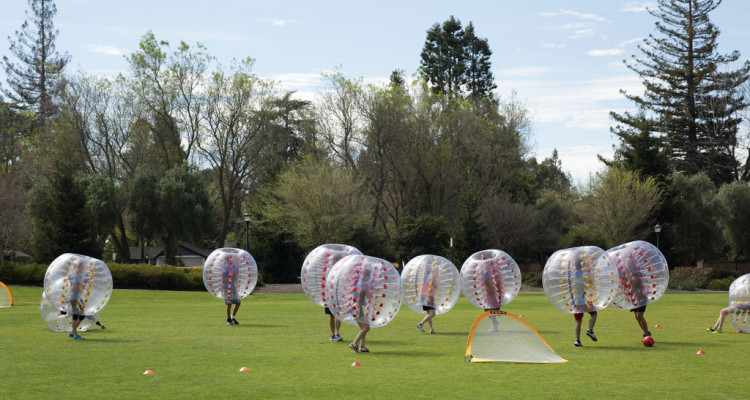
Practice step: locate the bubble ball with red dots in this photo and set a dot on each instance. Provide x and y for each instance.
(490, 279)
(642, 272)
(230, 273)
(739, 300)
(318, 264)
(364, 289)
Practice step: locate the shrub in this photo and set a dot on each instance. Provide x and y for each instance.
(532, 278)
(124, 276)
(720, 284)
(689, 278)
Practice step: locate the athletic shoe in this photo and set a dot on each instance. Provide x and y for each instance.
(229, 322)
(577, 343)
(337, 338)
(719, 331)
(432, 331)
(710, 329)
(76, 337)
(70, 335)
(648, 333)
(354, 347)
(590, 334)
(234, 322)
(364, 349)
(332, 339)
(420, 327)
(493, 329)
(103, 327)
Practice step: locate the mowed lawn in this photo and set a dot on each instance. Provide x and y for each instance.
(283, 339)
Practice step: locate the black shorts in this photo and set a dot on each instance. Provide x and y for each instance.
(427, 308)
(78, 317)
(639, 309)
(328, 311)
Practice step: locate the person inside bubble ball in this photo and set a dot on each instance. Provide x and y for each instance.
(493, 302)
(358, 344)
(429, 286)
(590, 332)
(335, 325)
(90, 318)
(77, 304)
(638, 313)
(719, 325)
(229, 275)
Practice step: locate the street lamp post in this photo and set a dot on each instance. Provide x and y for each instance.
(247, 231)
(657, 229)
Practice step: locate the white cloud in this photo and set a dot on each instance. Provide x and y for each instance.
(108, 50)
(604, 52)
(553, 45)
(575, 14)
(636, 7)
(276, 22)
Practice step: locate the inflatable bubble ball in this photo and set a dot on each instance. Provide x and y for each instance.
(364, 289)
(318, 265)
(78, 284)
(430, 281)
(579, 279)
(60, 321)
(230, 274)
(739, 300)
(642, 272)
(490, 279)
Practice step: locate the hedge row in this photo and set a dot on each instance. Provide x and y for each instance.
(124, 276)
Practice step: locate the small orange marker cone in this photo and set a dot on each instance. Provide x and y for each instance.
(148, 372)
(657, 326)
(520, 316)
(243, 369)
(356, 364)
(700, 352)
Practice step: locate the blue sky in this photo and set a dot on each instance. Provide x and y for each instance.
(561, 58)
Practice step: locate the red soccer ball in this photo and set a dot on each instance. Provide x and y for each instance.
(648, 341)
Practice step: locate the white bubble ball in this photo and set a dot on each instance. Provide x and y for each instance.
(490, 279)
(642, 272)
(60, 321)
(739, 298)
(430, 281)
(230, 274)
(364, 289)
(318, 265)
(78, 284)
(579, 279)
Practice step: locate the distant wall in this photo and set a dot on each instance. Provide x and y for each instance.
(743, 267)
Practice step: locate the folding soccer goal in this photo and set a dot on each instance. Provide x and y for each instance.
(6, 299)
(499, 336)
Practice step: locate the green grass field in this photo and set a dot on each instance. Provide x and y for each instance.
(283, 339)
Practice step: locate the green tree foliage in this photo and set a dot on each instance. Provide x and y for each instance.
(619, 205)
(692, 232)
(15, 132)
(689, 102)
(172, 208)
(61, 222)
(314, 200)
(734, 217)
(425, 234)
(641, 150)
(35, 80)
(456, 62)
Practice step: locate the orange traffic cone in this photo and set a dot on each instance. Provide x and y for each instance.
(148, 372)
(700, 352)
(356, 364)
(243, 369)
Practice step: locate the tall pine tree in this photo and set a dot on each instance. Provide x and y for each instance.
(690, 102)
(36, 78)
(456, 62)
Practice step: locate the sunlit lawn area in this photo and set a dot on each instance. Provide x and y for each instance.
(283, 339)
